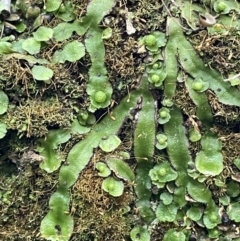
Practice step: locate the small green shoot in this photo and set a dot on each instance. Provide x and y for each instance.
(71, 52)
(31, 46)
(43, 34)
(221, 7)
(150, 40)
(42, 73)
(109, 143)
(161, 141)
(166, 198)
(164, 115)
(214, 233)
(113, 187)
(154, 41)
(211, 217)
(103, 170)
(121, 169)
(194, 135)
(86, 119)
(162, 173)
(167, 102)
(209, 161)
(195, 213)
(140, 233)
(107, 33)
(52, 5)
(166, 213)
(5, 48)
(157, 77)
(100, 97)
(199, 85)
(66, 12)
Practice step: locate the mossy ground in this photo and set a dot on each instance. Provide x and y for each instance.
(35, 108)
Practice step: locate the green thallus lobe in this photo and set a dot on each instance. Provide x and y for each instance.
(192, 64)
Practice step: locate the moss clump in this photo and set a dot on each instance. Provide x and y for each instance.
(35, 117)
